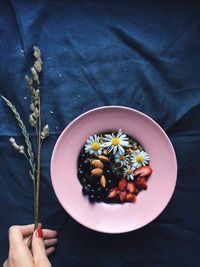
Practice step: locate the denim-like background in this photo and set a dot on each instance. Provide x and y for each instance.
(140, 54)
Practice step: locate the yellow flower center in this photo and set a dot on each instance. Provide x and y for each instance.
(115, 141)
(122, 157)
(129, 171)
(139, 158)
(95, 146)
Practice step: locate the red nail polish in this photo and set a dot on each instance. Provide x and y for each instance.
(39, 233)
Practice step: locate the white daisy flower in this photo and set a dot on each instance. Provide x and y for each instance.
(139, 158)
(116, 143)
(93, 145)
(129, 172)
(122, 159)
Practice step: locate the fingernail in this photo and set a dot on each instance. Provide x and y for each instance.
(39, 233)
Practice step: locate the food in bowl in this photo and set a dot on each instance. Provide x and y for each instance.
(113, 167)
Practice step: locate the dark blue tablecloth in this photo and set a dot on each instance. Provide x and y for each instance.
(140, 54)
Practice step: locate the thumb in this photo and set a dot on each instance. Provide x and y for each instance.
(38, 250)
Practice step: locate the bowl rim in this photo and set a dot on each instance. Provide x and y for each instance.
(79, 117)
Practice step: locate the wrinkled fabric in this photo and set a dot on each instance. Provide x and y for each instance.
(140, 54)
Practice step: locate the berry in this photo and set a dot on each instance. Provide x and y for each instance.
(98, 198)
(91, 180)
(86, 190)
(86, 165)
(106, 164)
(106, 191)
(99, 191)
(92, 191)
(143, 171)
(122, 195)
(141, 183)
(131, 187)
(113, 192)
(130, 197)
(122, 184)
(81, 166)
(109, 182)
(98, 184)
(80, 173)
(83, 181)
(82, 156)
(92, 198)
(108, 173)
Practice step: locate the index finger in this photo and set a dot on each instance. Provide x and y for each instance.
(19, 252)
(18, 232)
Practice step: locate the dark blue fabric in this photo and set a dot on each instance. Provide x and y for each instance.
(140, 54)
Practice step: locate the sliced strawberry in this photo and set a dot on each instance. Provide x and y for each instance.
(141, 183)
(122, 195)
(130, 197)
(131, 187)
(113, 192)
(122, 184)
(143, 171)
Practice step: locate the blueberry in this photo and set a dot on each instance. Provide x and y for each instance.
(92, 198)
(99, 191)
(85, 191)
(83, 181)
(82, 156)
(98, 198)
(89, 186)
(109, 173)
(106, 191)
(107, 165)
(114, 182)
(98, 184)
(80, 173)
(110, 182)
(81, 166)
(91, 179)
(86, 165)
(92, 191)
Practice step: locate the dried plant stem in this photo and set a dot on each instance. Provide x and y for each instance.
(37, 195)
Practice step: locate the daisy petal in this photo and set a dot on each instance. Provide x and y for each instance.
(124, 143)
(121, 150)
(115, 150)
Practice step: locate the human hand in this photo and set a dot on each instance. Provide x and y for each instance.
(42, 245)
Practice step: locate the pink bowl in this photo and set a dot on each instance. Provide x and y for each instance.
(114, 218)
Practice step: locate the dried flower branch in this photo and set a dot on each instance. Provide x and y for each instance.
(45, 132)
(16, 146)
(33, 84)
(26, 137)
(35, 118)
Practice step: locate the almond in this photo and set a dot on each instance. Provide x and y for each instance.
(97, 164)
(103, 181)
(97, 172)
(103, 158)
